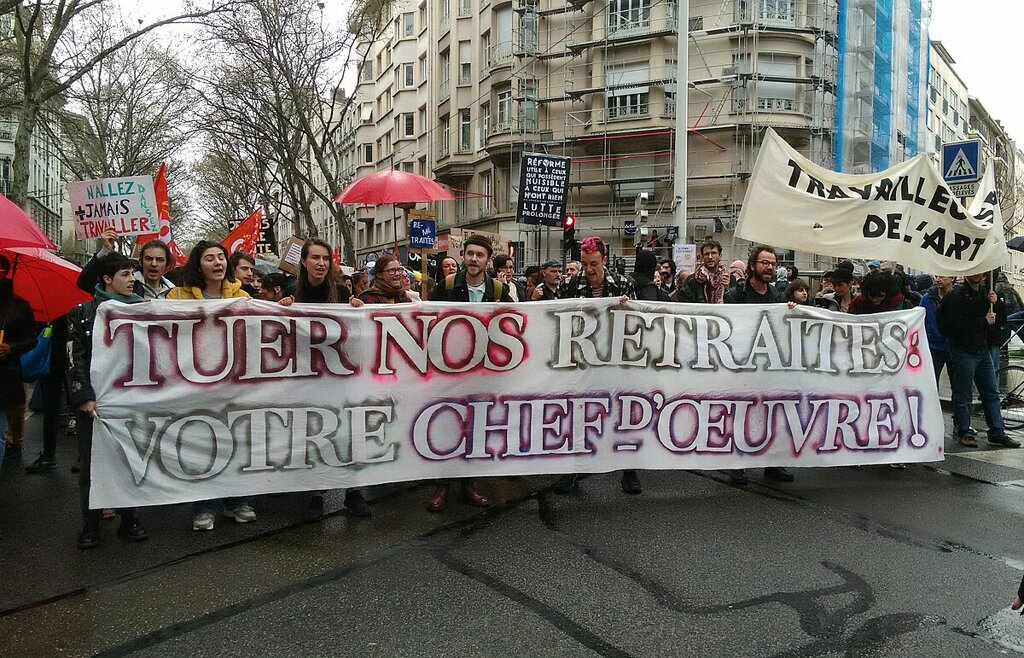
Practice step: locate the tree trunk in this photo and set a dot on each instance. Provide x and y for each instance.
(21, 166)
(347, 233)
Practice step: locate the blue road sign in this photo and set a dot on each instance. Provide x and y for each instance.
(961, 161)
(630, 227)
(422, 233)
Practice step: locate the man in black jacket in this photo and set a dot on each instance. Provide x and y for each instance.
(643, 278)
(115, 273)
(550, 279)
(758, 289)
(970, 317)
(471, 283)
(596, 280)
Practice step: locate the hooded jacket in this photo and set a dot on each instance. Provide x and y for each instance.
(961, 318)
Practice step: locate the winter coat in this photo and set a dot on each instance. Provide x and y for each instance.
(18, 324)
(962, 320)
(740, 294)
(930, 301)
(228, 290)
(644, 289)
(458, 291)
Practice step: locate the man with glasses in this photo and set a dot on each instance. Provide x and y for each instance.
(758, 289)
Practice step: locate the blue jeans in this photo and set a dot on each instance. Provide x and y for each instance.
(975, 368)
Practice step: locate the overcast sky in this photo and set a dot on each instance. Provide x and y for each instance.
(980, 35)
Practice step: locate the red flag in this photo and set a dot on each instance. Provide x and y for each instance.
(163, 211)
(246, 235)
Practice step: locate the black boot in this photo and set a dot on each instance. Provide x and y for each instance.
(89, 537)
(130, 529)
(631, 482)
(356, 504)
(778, 473)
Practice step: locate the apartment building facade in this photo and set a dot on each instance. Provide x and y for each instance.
(464, 87)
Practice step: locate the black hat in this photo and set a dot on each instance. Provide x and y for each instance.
(843, 272)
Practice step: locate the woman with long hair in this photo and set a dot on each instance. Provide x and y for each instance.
(319, 278)
(208, 275)
(320, 283)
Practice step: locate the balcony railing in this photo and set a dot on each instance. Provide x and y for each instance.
(465, 78)
(446, 24)
(465, 8)
(443, 151)
(445, 90)
(498, 54)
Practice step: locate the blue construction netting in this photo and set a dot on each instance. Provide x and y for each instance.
(914, 96)
(840, 134)
(881, 105)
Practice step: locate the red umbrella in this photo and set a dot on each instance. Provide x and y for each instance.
(392, 186)
(17, 230)
(47, 282)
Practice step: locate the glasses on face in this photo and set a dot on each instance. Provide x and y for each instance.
(391, 271)
(767, 263)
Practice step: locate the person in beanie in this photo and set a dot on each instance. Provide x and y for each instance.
(115, 274)
(841, 297)
(643, 278)
(471, 284)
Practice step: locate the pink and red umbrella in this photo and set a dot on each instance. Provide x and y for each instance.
(46, 281)
(392, 186)
(18, 230)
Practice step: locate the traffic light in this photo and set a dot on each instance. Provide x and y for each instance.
(568, 229)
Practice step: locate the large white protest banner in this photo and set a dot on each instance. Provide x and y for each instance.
(128, 205)
(906, 213)
(201, 400)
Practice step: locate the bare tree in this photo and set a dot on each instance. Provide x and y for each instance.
(277, 94)
(53, 53)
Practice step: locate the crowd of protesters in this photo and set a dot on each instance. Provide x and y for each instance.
(966, 324)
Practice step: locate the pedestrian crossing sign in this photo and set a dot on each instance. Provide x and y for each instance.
(961, 161)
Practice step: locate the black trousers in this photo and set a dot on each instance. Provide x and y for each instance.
(83, 430)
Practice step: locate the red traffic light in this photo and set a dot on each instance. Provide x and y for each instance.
(569, 221)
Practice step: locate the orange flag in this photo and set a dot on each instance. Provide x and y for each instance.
(246, 235)
(163, 211)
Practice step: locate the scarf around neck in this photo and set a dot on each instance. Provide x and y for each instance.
(714, 289)
(102, 295)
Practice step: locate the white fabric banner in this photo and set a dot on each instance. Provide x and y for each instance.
(905, 214)
(201, 400)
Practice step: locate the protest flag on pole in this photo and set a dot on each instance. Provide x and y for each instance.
(163, 208)
(246, 235)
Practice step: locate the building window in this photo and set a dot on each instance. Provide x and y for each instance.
(423, 68)
(408, 25)
(408, 125)
(5, 176)
(485, 121)
(446, 136)
(629, 14)
(407, 74)
(465, 137)
(487, 191)
(504, 111)
(423, 118)
(628, 93)
(465, 66)
(366, 75)
(368, 153)
(528, 104)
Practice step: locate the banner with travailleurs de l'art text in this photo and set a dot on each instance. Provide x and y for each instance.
(201, 400)
(906, 213)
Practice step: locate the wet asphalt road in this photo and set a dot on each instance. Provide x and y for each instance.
(870, 561)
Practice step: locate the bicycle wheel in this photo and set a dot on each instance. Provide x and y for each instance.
(1011, 395)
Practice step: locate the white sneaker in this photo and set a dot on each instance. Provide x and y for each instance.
(241, 514)
(203, 521)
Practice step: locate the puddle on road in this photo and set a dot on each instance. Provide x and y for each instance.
(1005, 629)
